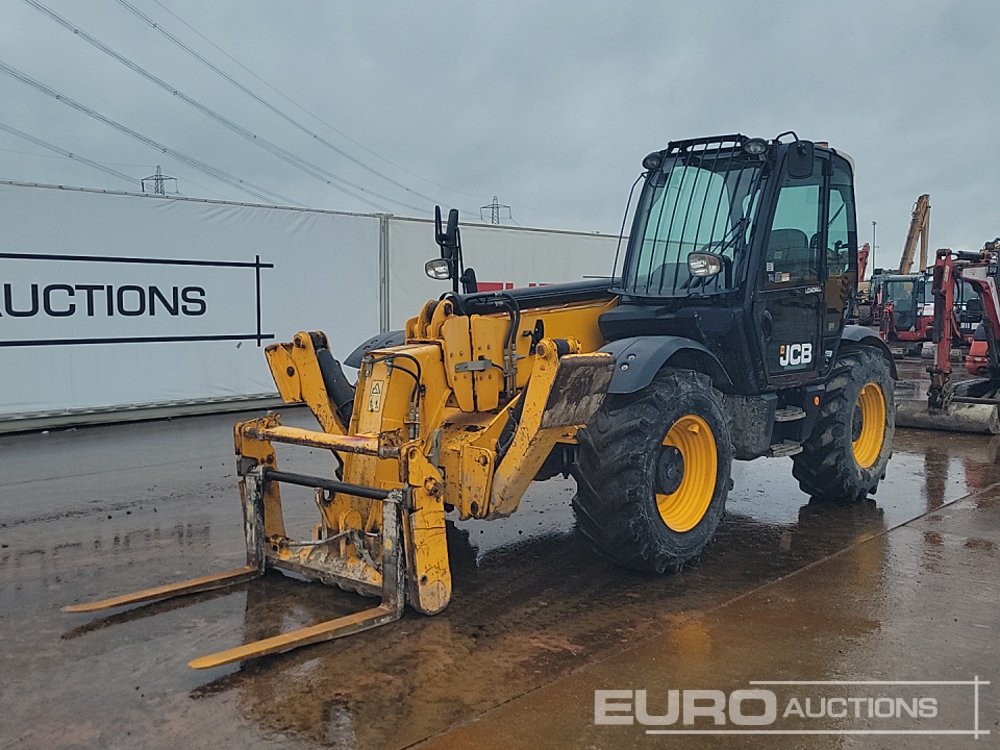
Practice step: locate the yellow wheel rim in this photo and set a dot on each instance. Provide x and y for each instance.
(871, 432)
(682, 509)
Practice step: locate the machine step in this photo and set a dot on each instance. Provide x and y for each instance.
(784, 448)
(789, 414)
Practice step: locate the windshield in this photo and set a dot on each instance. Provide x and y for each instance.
(904, 294)
(900, 292)
(701, 201)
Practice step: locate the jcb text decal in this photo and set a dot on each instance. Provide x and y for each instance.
(795, 354)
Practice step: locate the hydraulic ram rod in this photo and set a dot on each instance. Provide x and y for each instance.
(369, 445)
(333, 485)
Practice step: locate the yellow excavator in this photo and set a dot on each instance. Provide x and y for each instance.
(723, 335)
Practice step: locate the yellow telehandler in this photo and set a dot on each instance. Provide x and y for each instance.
(723, 335)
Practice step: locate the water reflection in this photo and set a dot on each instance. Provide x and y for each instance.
(525, 615)
(952, 464)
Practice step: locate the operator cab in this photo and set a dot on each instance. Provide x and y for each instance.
(906, 293)
(747, 246)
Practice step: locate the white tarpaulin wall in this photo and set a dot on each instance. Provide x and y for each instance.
(112, 300)
(114, 304)
(504, 258)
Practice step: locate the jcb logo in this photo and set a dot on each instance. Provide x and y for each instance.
(795, 354)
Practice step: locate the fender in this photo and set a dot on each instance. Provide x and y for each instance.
(639, 358)
(380, 341)
(867, 337)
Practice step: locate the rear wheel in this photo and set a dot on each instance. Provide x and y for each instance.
(845, 456)
(653, 472)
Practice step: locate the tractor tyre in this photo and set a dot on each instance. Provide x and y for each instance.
(844, 458)
(653, 472)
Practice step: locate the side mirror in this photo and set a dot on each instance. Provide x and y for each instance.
(704, 264)
(447, 239)
(469, 283)
(800, 159)
(450, 240)
(438, 268)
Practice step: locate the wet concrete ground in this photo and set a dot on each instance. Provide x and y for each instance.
(905, 587)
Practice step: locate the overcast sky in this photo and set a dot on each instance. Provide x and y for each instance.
(549, 106)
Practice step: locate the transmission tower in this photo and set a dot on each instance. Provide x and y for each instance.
(495, 208)
(159, 181)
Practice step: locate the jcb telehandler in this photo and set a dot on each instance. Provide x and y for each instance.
(721, 336)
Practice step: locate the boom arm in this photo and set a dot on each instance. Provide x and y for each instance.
(920, 225)
(863, 252)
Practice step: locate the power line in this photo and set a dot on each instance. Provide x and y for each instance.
(134, 165)
(33, 153)
(309, 112)
(62, 154)
(318, 138)
(312, 170)
(240, 184)
(65, 153)
(39, 155)
(216, 193)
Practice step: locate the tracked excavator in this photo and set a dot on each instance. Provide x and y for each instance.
(903, 318)
(971, 405)
(723, 335)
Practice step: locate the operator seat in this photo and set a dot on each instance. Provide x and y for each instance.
(788, 252)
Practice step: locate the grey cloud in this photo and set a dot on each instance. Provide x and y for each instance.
(549, 106)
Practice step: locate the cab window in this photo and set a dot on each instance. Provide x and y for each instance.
(793, 245)
(841, 246)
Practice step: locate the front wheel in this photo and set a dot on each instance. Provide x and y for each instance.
(845, 457)
(653, 472)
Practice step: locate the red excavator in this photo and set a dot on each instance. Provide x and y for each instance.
(899, 308)
(967, 405)
(903, 317)
(977, 360)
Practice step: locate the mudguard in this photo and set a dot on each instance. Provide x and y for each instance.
(639, 358)
(867, 337)
(389, 338)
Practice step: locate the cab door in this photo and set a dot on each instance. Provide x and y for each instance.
(790, 306)
(841, 272)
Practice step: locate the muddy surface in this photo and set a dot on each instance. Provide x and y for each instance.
(537, 621)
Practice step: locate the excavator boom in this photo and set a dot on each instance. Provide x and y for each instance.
(920, 226)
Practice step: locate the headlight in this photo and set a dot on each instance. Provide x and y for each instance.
(704, 264)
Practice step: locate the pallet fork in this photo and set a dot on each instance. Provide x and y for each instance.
(309, 559)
